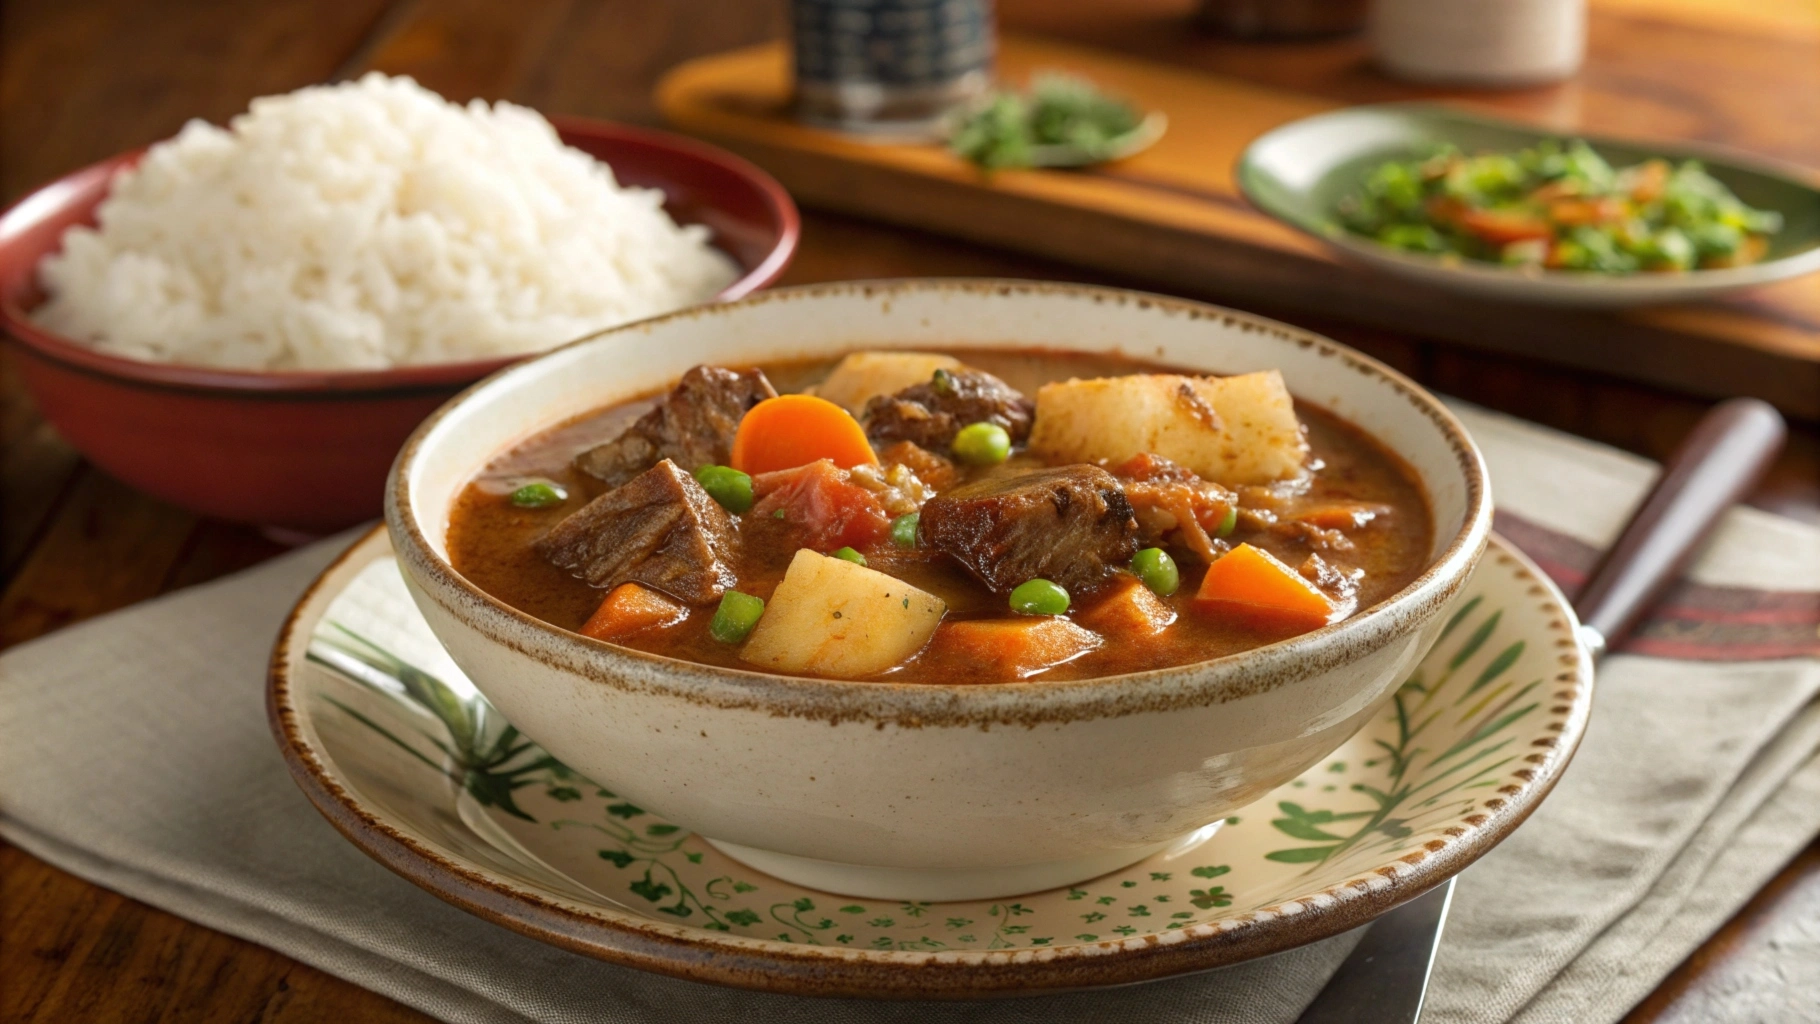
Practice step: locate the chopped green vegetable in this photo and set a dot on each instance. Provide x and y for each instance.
(726, 485)
(1039, 597)
(1006, 128)
(982, 444)
(1229, 523)
(850, 555)
(1561, 206)
(942, 382)
(903, 529)
(1156, 570)
(737, 615)
(540, 494)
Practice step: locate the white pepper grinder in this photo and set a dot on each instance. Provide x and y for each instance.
(1479, 42)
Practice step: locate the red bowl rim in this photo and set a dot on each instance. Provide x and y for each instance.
(396, 380)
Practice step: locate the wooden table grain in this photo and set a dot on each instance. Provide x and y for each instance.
(82, 79)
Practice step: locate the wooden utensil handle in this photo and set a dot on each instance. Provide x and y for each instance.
(1724, 456)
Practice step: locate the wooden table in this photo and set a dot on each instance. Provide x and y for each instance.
(82, 79)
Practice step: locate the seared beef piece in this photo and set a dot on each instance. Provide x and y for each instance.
(931, 414)
(659, 529)
(1071, 525)
(693, 425)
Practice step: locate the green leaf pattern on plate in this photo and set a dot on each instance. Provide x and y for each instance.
(1446, 732)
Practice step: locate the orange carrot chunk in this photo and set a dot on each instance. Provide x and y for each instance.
(795, 430)
(630, 609)
(1001, 650)
(1129, 610)
(1250, 585)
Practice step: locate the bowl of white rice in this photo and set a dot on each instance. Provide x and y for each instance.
(247, 321)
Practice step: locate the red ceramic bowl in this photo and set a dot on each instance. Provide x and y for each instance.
(309, 450)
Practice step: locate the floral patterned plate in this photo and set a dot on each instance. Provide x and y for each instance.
(399, 751)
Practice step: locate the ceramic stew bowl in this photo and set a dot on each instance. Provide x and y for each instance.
(917, 791)
(310, 450)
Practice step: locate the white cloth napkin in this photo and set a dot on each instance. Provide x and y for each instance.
(134, 752)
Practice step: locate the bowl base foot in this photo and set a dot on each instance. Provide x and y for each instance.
(937, 885)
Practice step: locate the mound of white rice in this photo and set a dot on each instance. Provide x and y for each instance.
(366, 225)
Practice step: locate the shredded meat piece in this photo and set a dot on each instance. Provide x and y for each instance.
(693, 425)
(931, 414)
(1312, 535)
(1340, 585)
(1070, 525)
(930, 468)
(660, 529)
(1168, 497)
(894, 485)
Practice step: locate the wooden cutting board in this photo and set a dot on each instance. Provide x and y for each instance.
(1172, 217)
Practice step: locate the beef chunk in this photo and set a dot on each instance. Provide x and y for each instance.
(693, 426)
(1071, 525)
(659, 529)
(931, 414)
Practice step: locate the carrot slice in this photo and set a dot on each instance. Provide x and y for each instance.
(1130, 610)
(1250, 585)
(630, 609)
(1000, 650)
(795, 430)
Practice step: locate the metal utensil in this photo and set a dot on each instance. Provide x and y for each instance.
(1385, 978)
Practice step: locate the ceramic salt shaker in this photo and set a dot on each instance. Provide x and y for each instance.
(1479, 42)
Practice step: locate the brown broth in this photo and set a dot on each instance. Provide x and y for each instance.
(491, 540)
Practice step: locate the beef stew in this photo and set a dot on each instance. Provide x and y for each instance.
(984, 516)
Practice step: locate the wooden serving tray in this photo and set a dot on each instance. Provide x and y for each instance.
(1173, 217)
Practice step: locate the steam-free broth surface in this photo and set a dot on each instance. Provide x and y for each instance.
(494, 543)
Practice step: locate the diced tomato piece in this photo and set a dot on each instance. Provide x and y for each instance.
(1343, 515)
(630, 609)
(1129, 609)
(822, 505)
(1252, 586)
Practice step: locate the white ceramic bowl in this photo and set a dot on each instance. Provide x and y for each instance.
(934, 792)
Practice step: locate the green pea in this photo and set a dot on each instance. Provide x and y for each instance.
(1156, 570)
(1039, 597)
(1228, 524)
(726, 485)
(540, 494)
(850, 555)
(735, 617)
(982, 444)
(903, 529)
(942, 382)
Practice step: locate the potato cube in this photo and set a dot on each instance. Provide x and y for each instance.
(1003, 650)
(835, 618)
(862, 375)
(1231, 430)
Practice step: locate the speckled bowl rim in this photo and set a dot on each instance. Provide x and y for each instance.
(698, 954)
(1214, 681)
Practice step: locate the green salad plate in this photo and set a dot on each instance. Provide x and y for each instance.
(1299, 174)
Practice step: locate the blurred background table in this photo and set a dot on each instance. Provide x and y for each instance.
(83, 79)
